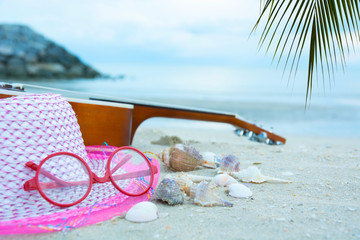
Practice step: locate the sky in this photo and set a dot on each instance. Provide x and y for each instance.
(139, 31)
(112, 34)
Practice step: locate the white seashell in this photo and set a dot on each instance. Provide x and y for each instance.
(252, 174)
(203, 195)
(223, 180)
(211, 159)
(238, 190)
(142, 212)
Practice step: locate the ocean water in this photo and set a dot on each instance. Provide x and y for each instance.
(260, 96)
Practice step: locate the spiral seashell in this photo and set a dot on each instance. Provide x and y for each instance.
(164, 156)
(181, 157)
(169, 191)
(203, 195)
(252, 174)
(188, 180)
(238, 190)
(229, 164)
(183, 181)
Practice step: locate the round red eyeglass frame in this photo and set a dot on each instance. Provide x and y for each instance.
(33, 184)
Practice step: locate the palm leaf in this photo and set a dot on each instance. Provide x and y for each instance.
(329, 29)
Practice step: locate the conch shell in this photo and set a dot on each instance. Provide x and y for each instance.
(252, 174)
(185, 181)
(169, 191)
(229, 164)
(203, 195)
(181, 157)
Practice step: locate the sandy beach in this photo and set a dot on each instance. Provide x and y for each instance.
(322, 202)
(122, 64)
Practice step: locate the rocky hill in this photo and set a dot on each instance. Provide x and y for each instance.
(27, 54)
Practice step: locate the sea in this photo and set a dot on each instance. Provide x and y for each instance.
(262, 96)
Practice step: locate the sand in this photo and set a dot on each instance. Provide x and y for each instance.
(323, 202)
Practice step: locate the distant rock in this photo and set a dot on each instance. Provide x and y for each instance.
(27, 54)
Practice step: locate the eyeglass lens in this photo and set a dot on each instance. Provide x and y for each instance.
(131, 171)
(64, 179)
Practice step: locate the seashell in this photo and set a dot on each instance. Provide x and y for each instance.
(223, 180)
(229, 164)
(187, 180)
(203, 195)
(253, 174)
(181, 157)
(238, 190)
(211, 159)
(164, 156)
(183, 181)
(169, 191)
(142, 212)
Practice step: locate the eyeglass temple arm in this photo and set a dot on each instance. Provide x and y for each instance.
(140, 173)
(32, 185)
(125, 159)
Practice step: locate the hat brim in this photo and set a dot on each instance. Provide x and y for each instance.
(93, 213)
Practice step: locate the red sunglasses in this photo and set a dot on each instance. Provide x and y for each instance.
(65, 179)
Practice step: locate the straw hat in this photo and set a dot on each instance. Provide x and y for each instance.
(31, 128)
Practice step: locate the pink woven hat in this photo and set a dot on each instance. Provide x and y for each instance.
(49, 181)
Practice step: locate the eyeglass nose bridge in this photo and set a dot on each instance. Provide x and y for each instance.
(97, 179)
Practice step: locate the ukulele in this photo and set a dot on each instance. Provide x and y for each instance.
(115, 120)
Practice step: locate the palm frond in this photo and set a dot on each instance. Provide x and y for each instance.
(329, 29)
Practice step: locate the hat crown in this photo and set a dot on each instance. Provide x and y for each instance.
(31, 128)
